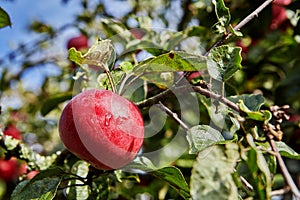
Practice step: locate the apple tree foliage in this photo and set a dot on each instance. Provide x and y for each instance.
(246, 82)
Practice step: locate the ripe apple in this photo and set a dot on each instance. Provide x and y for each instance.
(102, 128)
(9, 169)
(12, 130)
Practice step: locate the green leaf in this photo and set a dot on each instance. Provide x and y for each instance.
(252, 101)
(43, 186)
(80, 168)
(225, 62)
(212, 174)
(140, 163)
(175, 179)
(259, 169)
(287, 151)
(100, 54)
(116, 31)
(146, 45)
(75, 56)
(159, 70)
(223, 16)
(263, 116)
(126, 66)
(234, 32)
(202, 136)
(53, 102)
(4, 19)
(171, 175)
(172, 61)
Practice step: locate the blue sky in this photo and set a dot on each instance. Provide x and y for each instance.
(22, 12)
(53, 12)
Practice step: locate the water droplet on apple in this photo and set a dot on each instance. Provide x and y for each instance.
(107, 119)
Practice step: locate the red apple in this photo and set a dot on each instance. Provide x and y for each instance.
(31, 174)
(12, 130)
(279, 17)
(102, 128)
(79, 43)
(138, 33)
(9, 169)
(282, 2)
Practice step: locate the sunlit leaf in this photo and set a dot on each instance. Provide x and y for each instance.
(99, 54)
(287, 151)
(212, 173)
(159, 69)
(223, 16)
(202, 136)
(225, 62)
(4, 19)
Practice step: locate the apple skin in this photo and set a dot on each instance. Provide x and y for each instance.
(102, 128)
(12, 130)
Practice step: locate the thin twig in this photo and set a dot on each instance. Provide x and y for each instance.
(217, 97)
(280, 192)
(252, 15)
(209, 94)
(246, 183)
(283, 168)
(246, 20)
(173, 116)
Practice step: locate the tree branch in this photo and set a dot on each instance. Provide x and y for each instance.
(173, 116)
(283, 168)
(217, 97)
(209, 94)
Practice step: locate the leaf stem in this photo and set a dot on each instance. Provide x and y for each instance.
(110, 79)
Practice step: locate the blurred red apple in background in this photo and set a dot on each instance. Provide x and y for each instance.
(102, 128)
(9, 169)
(279, 17)
(12, 130)
(79, 42)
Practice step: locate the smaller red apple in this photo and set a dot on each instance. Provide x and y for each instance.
(31, 174)
(79, 43)
(12, 130)
(9, 169)
(138, 33)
